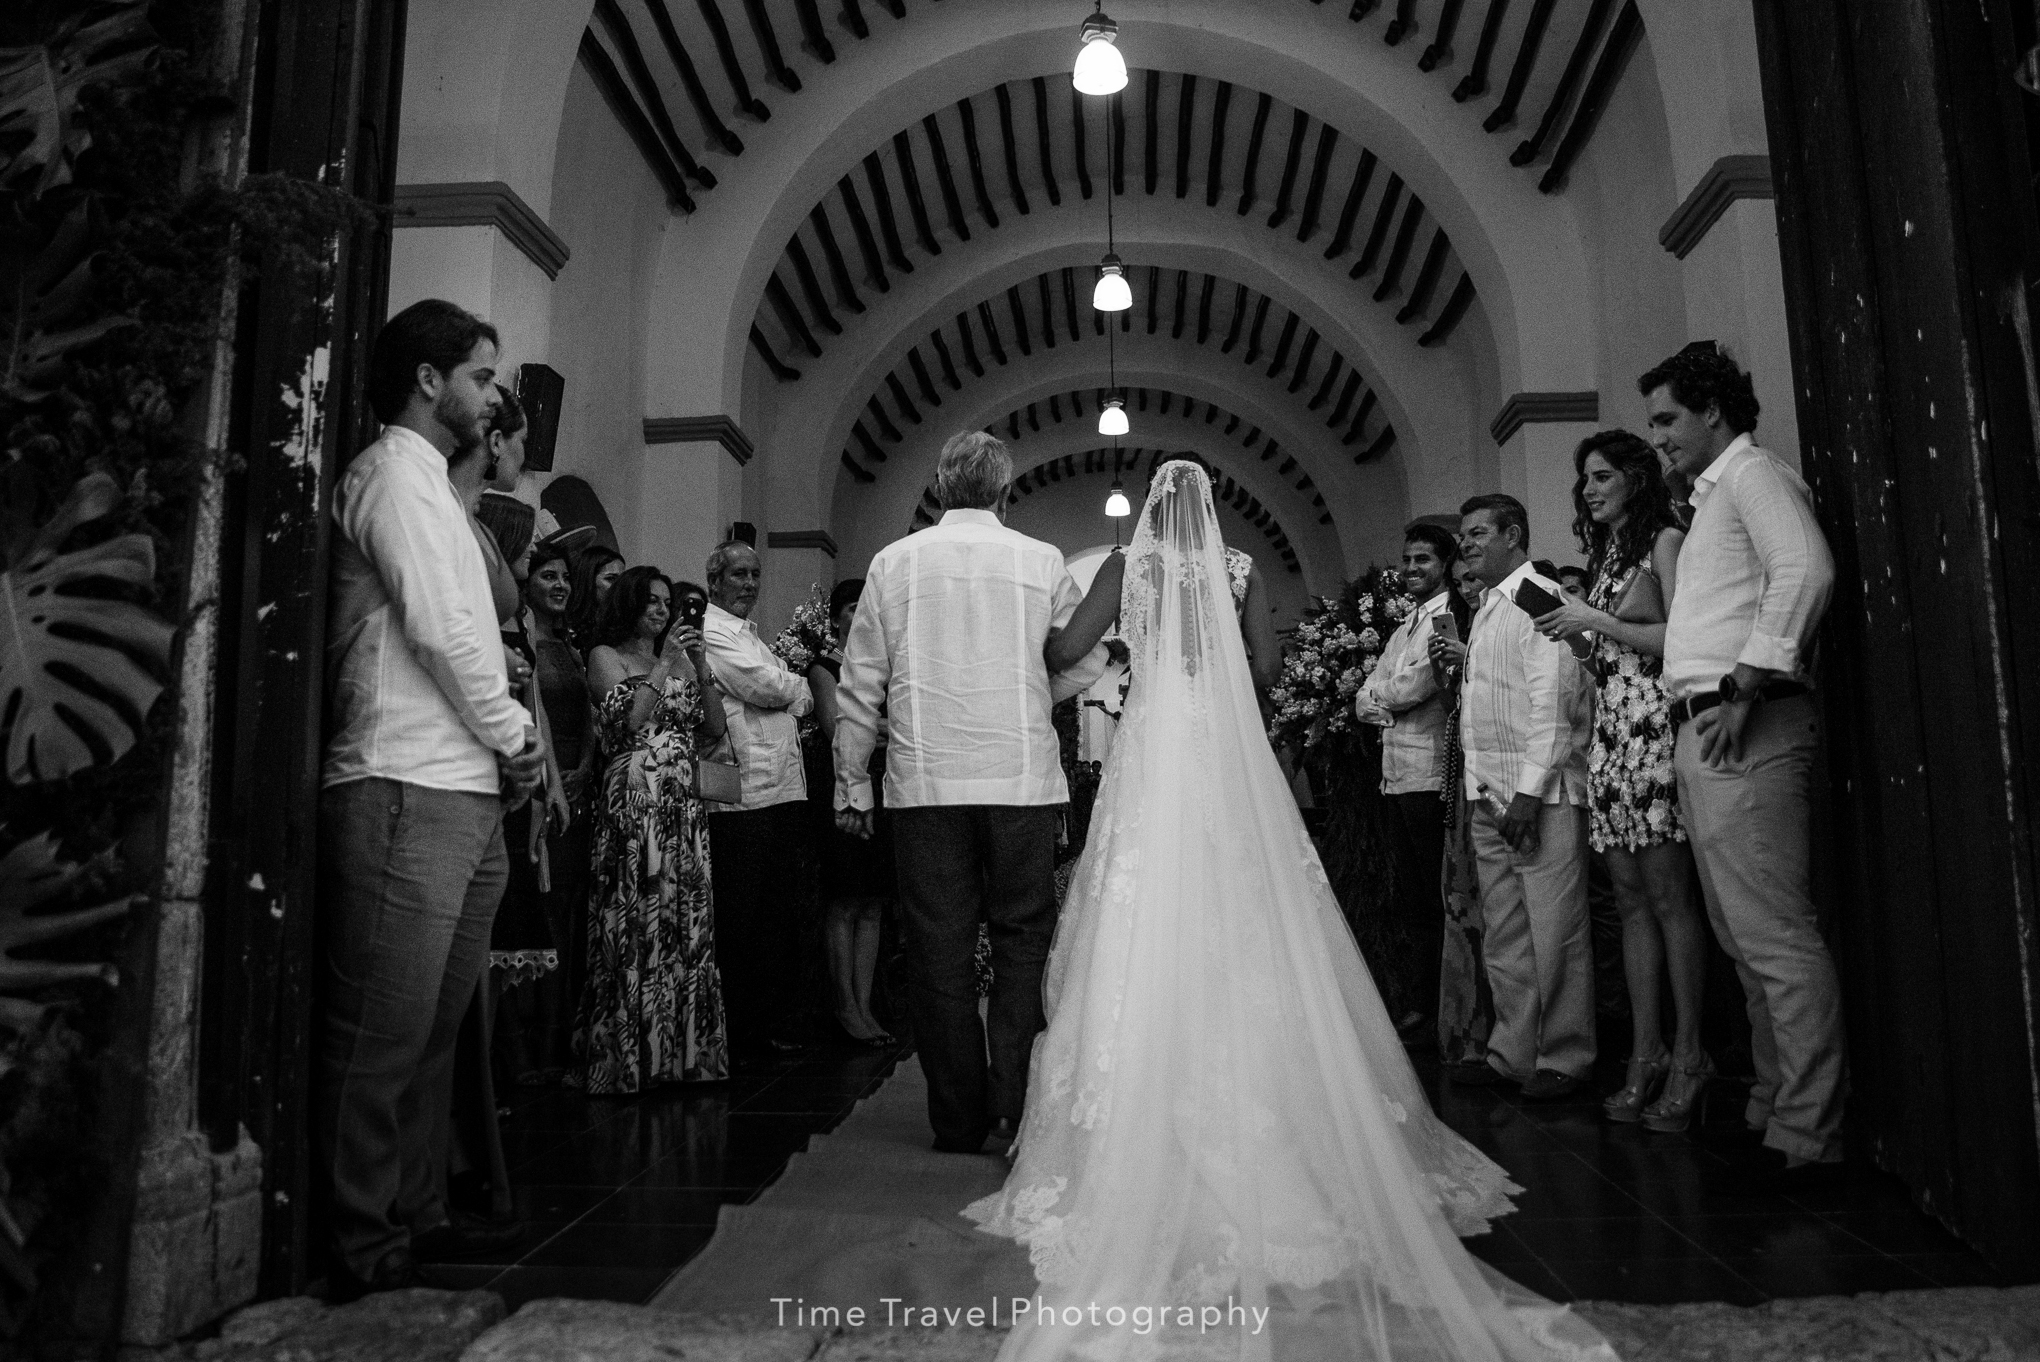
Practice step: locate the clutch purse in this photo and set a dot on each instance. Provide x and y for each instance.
(1643, 600)
(717, 782)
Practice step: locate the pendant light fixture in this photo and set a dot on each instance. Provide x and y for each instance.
(1115, 503)
(1112, 293)
(1112, 420)
(1100, 69)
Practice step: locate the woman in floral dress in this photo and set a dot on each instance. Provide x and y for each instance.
(652, 1010)
(1626, 524)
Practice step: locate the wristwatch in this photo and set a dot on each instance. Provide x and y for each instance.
(1729, 691)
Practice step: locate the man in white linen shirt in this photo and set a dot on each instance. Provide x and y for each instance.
(1404, 697)
(757, 846)
(1754, 579)
(949, 639)
(1525, 715)
(426, 743)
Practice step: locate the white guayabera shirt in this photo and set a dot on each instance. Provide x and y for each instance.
(949, 637)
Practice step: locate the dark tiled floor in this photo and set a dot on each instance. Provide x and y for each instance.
(618, 1193)
(1618, 1213)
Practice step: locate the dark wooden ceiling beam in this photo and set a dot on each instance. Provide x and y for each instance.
(779, 367)
(832, 255)
(1034, 422)
(1299, 124)
(910, 181)
(853, 15)
(1253, 354)
(782, 303)
(1448, 316)
(1182, 304)
(1044, 143)
(726, 49)
(1231, 426)
(1186, 114)
(1320, 172)
(1069, 296)
(811, 286)
(768, 44)
(942, 357)
(1204, 308)
(1379, 447)
(1399, 254)
(1303, 361)
(1055, 417)
(1475, 81)
(922, 379)
(945, 178)
(1427, 280)
(1163, 401)
(1384, 217)
(857, 470)
(1021, 337)
(974, 157)
(881, 199)
(1214, 168)
(1568, 79)
(1441, 38)
(615, 90)
(1151, 133)
(1004, 98)
(970, 354)
(1363, 175)
(1332, 372)
(1078, 116)
(1154, 290)
(1282, 344)
(1622, 41)
(1504, 113)
(865, 442)
(1403, 24)
(867, 244)
(1077, 406)
(648, 89)
(1239, 319)
(885, 424)
(1252, 166)
(1047, 311)
(896, 8)
(1345, 402)
(690, 79)
(811, 28)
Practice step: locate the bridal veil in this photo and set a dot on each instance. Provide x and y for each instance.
(1221, 1121)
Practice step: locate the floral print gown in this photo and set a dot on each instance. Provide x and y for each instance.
(652, 1009)
(1632, 795)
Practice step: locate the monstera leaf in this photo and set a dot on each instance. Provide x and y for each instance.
(52, 310)
(72, 694)
(40, 137)
(30, 876)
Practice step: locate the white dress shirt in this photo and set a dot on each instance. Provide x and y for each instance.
(1754, 575)
(1403, 697)
(1526, 707)
(949, 635)
(762, 701)
(413, 653)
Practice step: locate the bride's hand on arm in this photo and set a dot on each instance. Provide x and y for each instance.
(1096, 613)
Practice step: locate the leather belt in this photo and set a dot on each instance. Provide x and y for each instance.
(1684, 710)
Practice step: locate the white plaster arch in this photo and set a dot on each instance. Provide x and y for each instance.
(1429, 399)
(1521, 246)
(1368, 502)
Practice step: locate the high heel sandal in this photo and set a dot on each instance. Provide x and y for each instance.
(1645, 1078)
(1673, 1112)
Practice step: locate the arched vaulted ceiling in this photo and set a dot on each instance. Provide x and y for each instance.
(855, 179)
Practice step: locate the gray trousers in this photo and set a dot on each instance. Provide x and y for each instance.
(1748, 825)
(1534, 939)
(410, 880)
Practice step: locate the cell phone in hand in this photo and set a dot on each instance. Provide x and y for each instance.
(1445, 625)
(693, 609)
(1536, 602)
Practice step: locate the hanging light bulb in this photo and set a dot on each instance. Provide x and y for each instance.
(1112, 293)
(1115, 502)
(1100, 68)
(1112, 420)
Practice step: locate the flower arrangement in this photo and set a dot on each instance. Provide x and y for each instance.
(1335, 647)
(809, 635)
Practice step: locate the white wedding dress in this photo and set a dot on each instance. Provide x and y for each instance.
(1220, 1113)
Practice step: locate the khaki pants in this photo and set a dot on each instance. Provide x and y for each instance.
(1539, 956)
(1748, 825)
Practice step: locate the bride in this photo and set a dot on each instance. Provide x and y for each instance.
(1225, 1151)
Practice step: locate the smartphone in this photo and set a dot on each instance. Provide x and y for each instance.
(1445, 625)
(693, 609)
(1536, 602)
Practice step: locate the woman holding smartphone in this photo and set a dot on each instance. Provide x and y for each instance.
(652, 1010)
(1626, 524)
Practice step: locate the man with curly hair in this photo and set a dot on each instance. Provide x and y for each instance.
(1754, 579)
